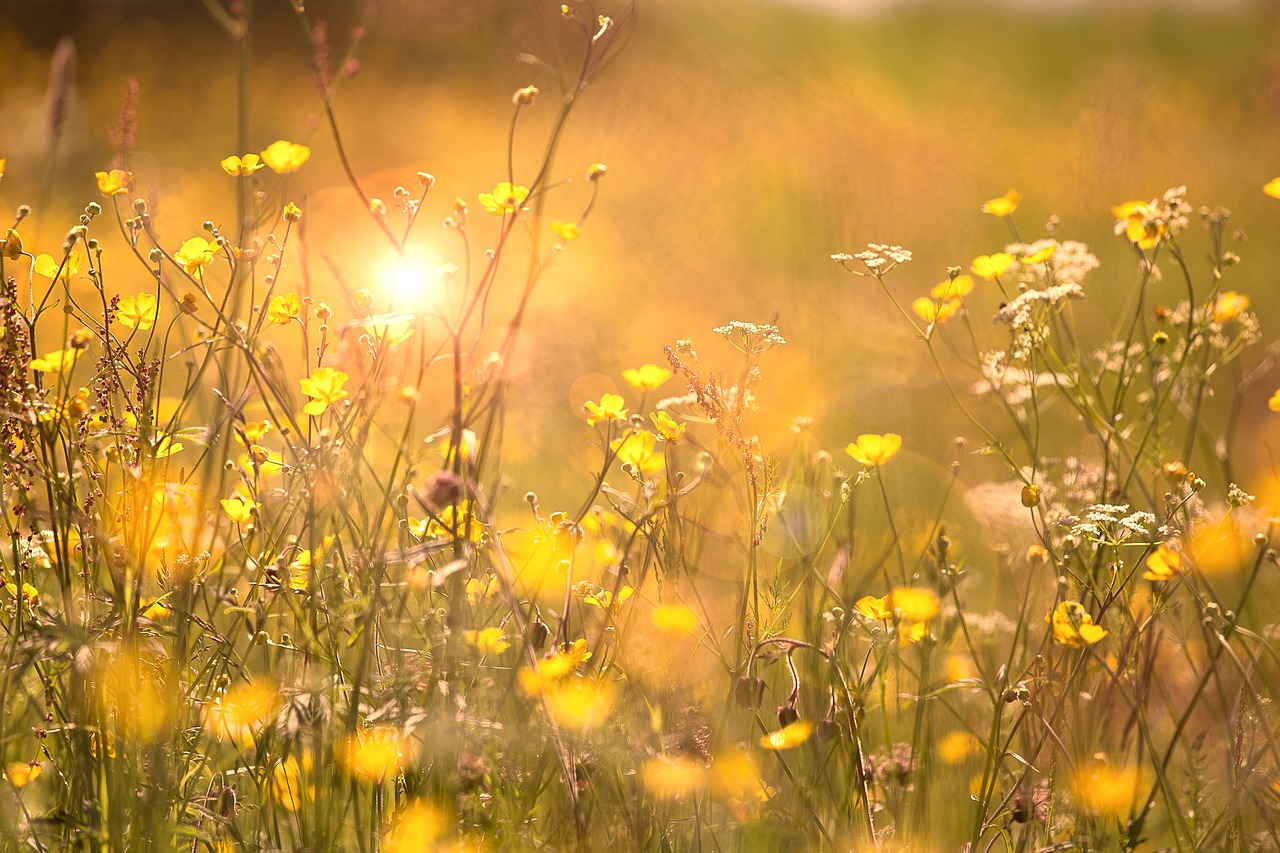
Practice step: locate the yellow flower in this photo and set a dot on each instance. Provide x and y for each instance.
(914, 604)
(602, 598)
(374, 754)
(137, 312)
(28, 595)
(609, 409)
(676, 619)
(874, 608)
(1040, 255)
(239, 166)
(115, 182)
(325, 386)
(283, 157)
(1073, 626)
(637, 450)
(166, 446)
(239, 509)
(59, 270)
(566, 231)
(488, 641)
(957, 746)
(953, 288)
(286, 783)
(1271, 187)
(1229, 305)
(56, 361)
(195, 254)
(670, 777)
(1002, 206)
(788, 736)
(870, 449)
(580, 703)
(417, 826)
(1140, 224)
(292, 213)
(1274, 403)
(477, 590)
(154, 609)
(283, 310)
(12, 245)
(647, 377)
(21, 773)
(505, 198)
(240, 713)
(3, 161)
(1104, 790)
(1163, 564)
(934, 311)
(991, 267)
(668, 429)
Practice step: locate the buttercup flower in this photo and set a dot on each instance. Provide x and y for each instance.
(1073, 626)
(566, 231)
(54, 269)
(609, 408)
(788, 736)
(505, 198)
(870, 449)
(239, 509)
(1163, 564)
(953, 288)
(56, 361)
(1004, 205)
(991, 267)
(195, 254)
(1137, 220)
(283, 157)
(324, 385)
(239, 166)
(648, 377)
(1271, 187)
(668, 429)
(1228, 306)
(283, 310)
(1274, 403)
(933, 310)
(115, 182)
(137, 312)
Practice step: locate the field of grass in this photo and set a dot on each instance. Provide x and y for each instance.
(510, 426)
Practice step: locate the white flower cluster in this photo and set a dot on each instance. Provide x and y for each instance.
(879, 258)
(1111, 524)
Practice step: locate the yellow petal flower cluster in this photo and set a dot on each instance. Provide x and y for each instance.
(504, 199)
(1163, 564)
(647, 377)
(324, 386)
(283, 157)
(609, 408)
(991, 267)
(114, 182)
(241, 166)
(137, 312)
(1004, 205)
(871, 449)
(1073, 626)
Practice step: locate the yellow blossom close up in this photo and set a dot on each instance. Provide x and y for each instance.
(324, 386)
(871, 449)
(283, 156)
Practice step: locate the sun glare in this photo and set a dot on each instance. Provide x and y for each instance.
(412, 282)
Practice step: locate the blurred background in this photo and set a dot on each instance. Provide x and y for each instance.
(745, 143)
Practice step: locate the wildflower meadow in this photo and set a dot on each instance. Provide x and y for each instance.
(299, 553)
